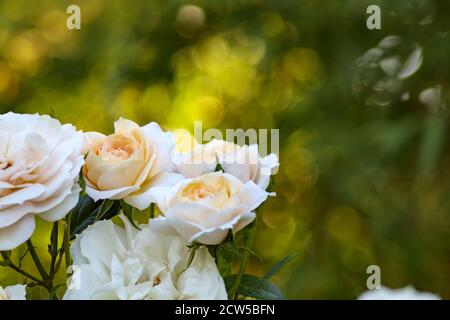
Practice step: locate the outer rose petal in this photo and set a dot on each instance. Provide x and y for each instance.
(269, 166)
(252, 195)
(17, 233)
(162, 226)
(16, 292)
(406, 293)
(60, 211)
(244, 221)
(193, 212)
(91, 138)
(13, 214)
(199, 286)
(159, 184)
(123, 126)
(22, 195)
(115, 194)
(215, 236)
(164, 143)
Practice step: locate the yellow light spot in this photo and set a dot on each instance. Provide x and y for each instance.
(345, 224)
(23, 54)
(272, 24)
(302, 64)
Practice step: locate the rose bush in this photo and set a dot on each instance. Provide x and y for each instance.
(204, 197)
(40, 161)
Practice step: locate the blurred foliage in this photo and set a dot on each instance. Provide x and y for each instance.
(363, 116)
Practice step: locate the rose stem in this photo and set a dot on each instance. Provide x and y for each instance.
(246, 255)
(10, 264)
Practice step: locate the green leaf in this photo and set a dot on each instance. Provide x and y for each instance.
(128, 211)
(280, 264)
(271, 184)
(82, 183)
(193, 249)
(226, 253)
(104, 208)
(218, 165)
(252, 286)
(87, 211)
(152, 210)
(432, 142)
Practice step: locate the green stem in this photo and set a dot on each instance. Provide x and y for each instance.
(36, 260)
(152, 211)
(53, 249)
(11, 265)
(66, 241)
(243, 267)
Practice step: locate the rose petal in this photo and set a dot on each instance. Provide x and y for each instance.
(122, 174)
(17, 292)
(17, 233)
(22, 195)
(124, 126)
(115, 194)
(252, 195)
(155, 189)
(60, 211)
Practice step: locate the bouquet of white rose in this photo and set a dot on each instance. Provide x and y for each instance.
(200, 208)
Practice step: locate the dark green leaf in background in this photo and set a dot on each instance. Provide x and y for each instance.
(87, 211)
(252, 286)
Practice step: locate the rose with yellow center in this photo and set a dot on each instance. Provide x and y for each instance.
(129, 163)
(243, 162)
(206, 208)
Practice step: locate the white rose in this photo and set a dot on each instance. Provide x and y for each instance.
(243, 162)
(406, 293)
(130, 264)
(129, 163)
(206, 208)
(16, 292)
(40, 161)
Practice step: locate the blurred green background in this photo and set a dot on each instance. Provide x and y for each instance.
(363, 117)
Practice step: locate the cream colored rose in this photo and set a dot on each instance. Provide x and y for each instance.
(129, 163)
(205, 208)
(16, 292)
(406, 293)
(242, 162)
(40, 161)
(128, 264)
